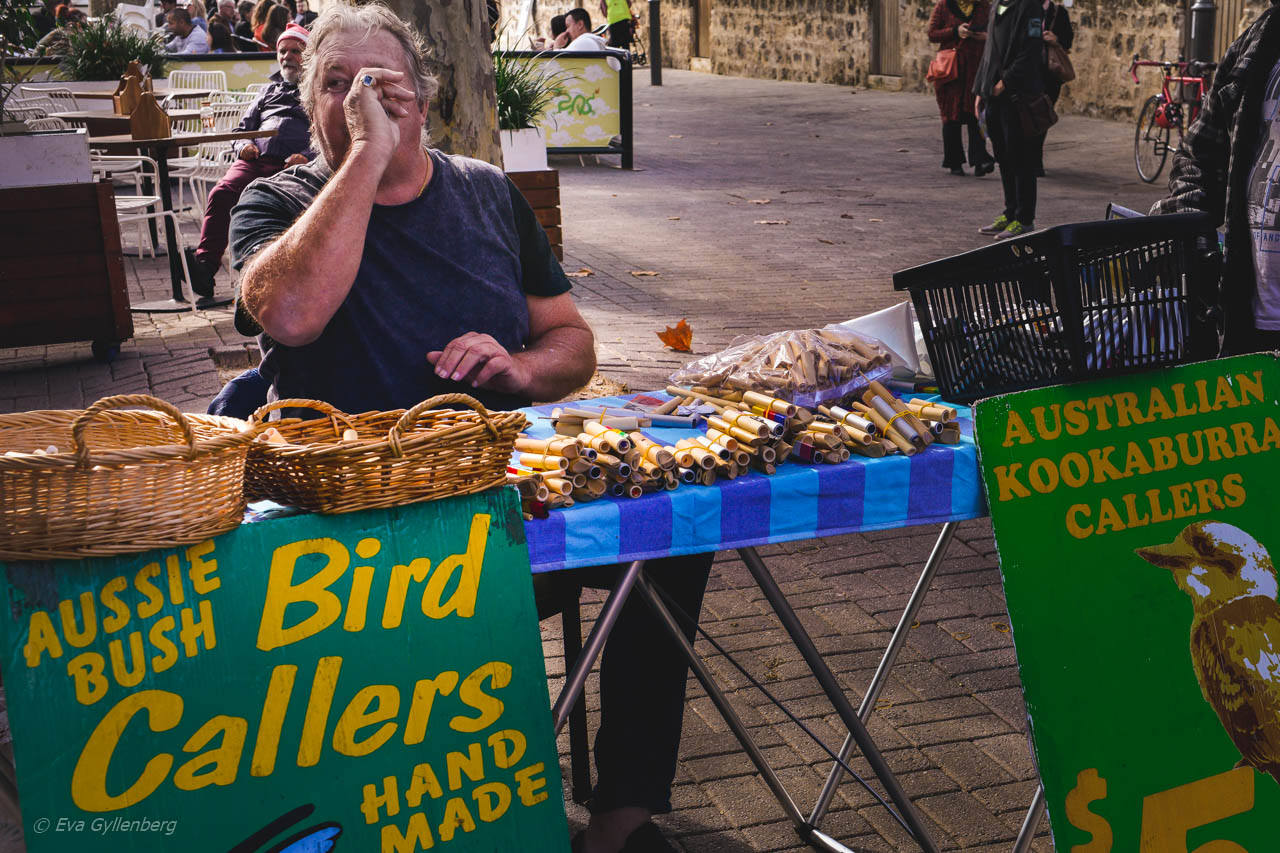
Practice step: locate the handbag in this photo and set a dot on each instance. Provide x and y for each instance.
(1059, 63)
(1035, 114)
(944, 68)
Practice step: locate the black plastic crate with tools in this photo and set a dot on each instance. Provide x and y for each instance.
(1070, 303)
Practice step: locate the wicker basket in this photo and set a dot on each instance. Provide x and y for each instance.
(119, 483)
(400, 457)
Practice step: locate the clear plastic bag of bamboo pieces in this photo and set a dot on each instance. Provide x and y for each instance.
(805, 367)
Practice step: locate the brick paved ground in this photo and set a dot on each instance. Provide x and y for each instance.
(855, 176)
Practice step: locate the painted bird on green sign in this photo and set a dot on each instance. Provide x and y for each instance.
(1235, 632)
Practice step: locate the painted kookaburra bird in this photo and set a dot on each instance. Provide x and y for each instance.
(1235, 632)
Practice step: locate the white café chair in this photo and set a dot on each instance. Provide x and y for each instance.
(139, 209)
(214, 81)
(211, 159)
(63, 99)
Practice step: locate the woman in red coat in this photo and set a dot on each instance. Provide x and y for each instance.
(961, 24)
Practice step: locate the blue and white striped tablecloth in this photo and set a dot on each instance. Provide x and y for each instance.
(798, 502)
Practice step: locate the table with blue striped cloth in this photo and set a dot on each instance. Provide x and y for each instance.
(800, 501)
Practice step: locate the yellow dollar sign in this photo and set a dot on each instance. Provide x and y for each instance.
(1089, 787)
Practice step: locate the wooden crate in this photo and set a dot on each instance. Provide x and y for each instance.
(542, 191)
(61, 268)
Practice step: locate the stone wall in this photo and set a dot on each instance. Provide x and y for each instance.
(830, 41)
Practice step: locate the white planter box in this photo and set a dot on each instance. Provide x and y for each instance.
(47, 157)
(523, 150)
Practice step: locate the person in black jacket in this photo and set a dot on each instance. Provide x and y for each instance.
(1012, 71)
(1057, 30)
(1227, 168)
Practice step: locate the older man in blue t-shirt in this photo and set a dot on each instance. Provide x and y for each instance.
(387, 272)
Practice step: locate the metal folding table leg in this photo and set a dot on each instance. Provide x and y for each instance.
(577, 677)
(836, 694)
(1030, 823)
(645, 589)
(887, 661)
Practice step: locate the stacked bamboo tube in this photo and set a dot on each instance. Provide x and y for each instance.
(606, 454)
(749, 430)
(552, 473)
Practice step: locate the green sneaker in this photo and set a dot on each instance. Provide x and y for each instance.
(1001, 223)
(1015, 229)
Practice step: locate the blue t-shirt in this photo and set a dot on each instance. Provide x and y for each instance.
(459, 258)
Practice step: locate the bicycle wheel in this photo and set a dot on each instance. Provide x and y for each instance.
(1150, 142)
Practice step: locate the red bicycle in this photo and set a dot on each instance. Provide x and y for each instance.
(1167, 111)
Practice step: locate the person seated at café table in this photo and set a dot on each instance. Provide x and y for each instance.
(559, 36)
(220, 36)
(278, 20)
(244, 28)
(386, 272)
(277, 108)
(166, 6)
(187, 37)
(198, 16)
(578, 23)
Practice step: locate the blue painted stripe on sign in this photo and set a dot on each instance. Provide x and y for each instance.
(841, 489)
(744, 509)
(793, 503)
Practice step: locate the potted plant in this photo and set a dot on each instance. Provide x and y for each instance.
(525, 89)
(102, 49)
(18, 36)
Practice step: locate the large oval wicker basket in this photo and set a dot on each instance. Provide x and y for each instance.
(117, 482)
(400, 456)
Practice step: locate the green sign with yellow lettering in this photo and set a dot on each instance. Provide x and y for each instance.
(359, 682)
(1135, 519)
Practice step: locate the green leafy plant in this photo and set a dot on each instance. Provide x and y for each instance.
(18, 35)
(103, 49)
(525, 89)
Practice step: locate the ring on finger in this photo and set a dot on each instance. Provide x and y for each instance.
(367, 80)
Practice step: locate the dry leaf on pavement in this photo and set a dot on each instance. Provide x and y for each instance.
(648, 273)
(679, 337)
(582, 273)
(759, 200)
(773, 222)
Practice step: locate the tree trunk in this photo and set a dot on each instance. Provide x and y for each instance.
(463, 118)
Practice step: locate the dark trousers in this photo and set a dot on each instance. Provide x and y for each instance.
(1014, 153)
(620, 34)
(216, 226)
(953, 147)
(642, 688)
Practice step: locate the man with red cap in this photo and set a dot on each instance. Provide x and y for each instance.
(277, 108)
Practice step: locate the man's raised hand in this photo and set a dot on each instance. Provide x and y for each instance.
(373, 111)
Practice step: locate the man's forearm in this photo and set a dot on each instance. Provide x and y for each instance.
(295, 285)
(561, 361)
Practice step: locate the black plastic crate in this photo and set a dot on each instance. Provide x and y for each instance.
(1069, 303)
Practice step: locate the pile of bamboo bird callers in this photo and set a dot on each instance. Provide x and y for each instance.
(603, 451)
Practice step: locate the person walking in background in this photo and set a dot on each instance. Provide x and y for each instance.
(1057, 30)
(617, 14)
(961, 25)
(1009, 79)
